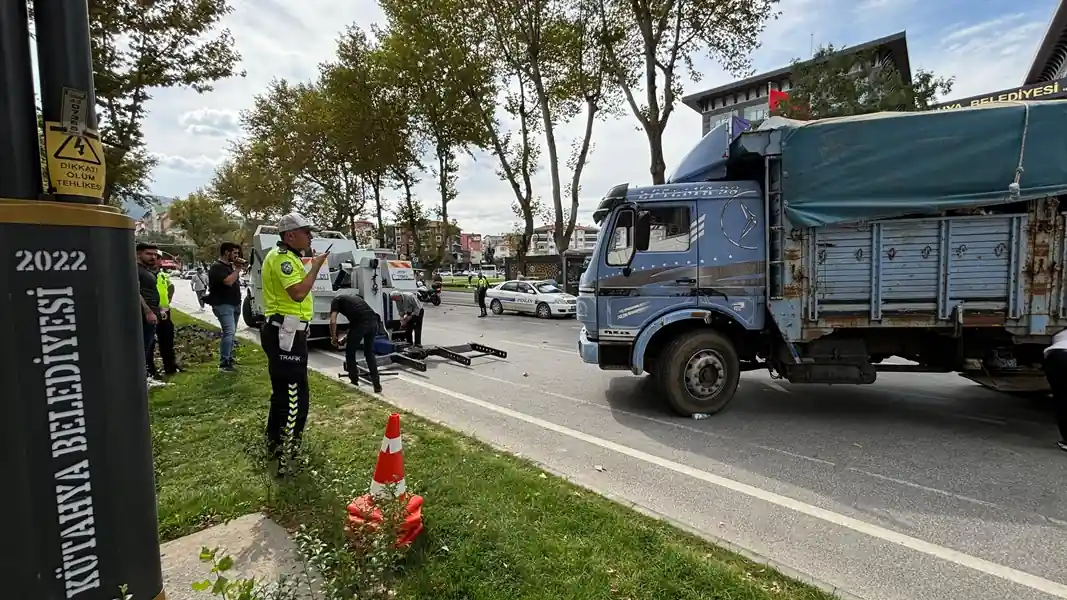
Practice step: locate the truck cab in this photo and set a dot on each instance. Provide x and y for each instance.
(667, 256)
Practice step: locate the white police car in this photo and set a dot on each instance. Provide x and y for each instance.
(542, 298)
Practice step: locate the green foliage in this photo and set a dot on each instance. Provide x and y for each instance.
(315, 145)
(141, 47)
(225, 588)
(204, 222)
(411, 217)
(554, 50)
(651, 45)
(835, 83)
(432, 52)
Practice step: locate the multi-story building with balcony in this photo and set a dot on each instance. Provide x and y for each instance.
(544, 242)
(750, 98)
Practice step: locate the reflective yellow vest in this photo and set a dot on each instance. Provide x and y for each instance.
(281, 270)
(163, 287)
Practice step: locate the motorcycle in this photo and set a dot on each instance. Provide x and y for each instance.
(431, 294)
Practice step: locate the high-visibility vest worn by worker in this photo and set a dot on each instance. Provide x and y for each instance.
(163, 287)
(282, 268)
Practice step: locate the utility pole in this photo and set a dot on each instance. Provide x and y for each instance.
(75, 446)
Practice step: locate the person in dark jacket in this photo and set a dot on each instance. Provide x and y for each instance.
(362, 329)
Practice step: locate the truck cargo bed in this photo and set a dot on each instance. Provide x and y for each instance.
(915, 272)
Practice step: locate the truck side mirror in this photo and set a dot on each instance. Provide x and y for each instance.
(642, 231)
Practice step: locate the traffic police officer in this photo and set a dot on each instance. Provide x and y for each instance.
(288, 306)
(165, 327)
(480, 293)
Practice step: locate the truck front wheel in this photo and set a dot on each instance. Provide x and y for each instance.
(699, 372)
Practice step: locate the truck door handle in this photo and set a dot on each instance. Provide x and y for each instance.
(686, 281)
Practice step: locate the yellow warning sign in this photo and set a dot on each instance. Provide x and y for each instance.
(75, 162)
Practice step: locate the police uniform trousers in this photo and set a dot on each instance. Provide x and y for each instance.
(165, 341)
(290, 398)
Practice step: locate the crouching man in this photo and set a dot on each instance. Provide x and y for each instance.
(362, 329)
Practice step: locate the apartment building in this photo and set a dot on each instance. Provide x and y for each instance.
(544, 242)
(750, 98)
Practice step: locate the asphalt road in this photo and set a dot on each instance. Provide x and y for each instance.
(917, 487)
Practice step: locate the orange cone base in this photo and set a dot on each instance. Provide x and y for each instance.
(364, 516)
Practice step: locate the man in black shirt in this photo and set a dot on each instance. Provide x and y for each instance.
(224, 296)
(362, 329)
(146, 283)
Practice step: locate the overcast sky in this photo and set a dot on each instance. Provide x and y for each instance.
(986, 44)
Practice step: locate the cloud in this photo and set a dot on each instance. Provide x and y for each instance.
(196, 166)
(211, 122)
(986, 46)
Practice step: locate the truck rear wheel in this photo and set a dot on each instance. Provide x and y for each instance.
(699, 372)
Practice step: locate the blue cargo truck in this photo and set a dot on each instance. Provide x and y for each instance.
(817, 250)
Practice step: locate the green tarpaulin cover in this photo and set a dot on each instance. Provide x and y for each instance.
(893, 164)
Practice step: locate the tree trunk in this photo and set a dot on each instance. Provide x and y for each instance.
(527, 234)
(377, 185)
(444, 164)
(412, 218)
(657, 166)
(553, 156)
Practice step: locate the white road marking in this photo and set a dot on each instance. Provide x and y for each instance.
(712, 434)
(981, 565)
(541, 347)
(925, 488)
(1035, 582)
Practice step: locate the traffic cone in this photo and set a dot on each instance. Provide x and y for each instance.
(390, 467)
(363, 513)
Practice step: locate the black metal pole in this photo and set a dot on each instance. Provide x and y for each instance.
(20, 159)
(75, 445)
(76, 169)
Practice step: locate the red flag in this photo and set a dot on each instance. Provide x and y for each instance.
(776, 98)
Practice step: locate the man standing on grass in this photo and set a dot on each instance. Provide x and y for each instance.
(289, 307)
(146, 283)
(164, 326)
(362, 329)
(411, 311)
(224, 296)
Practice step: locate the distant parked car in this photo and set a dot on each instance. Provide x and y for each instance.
(542, 298)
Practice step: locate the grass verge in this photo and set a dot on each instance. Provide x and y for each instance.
(497, 527)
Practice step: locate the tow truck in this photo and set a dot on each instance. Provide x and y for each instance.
(370, 273)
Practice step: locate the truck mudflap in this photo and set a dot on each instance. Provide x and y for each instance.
(1021, 381)
(405, 356)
